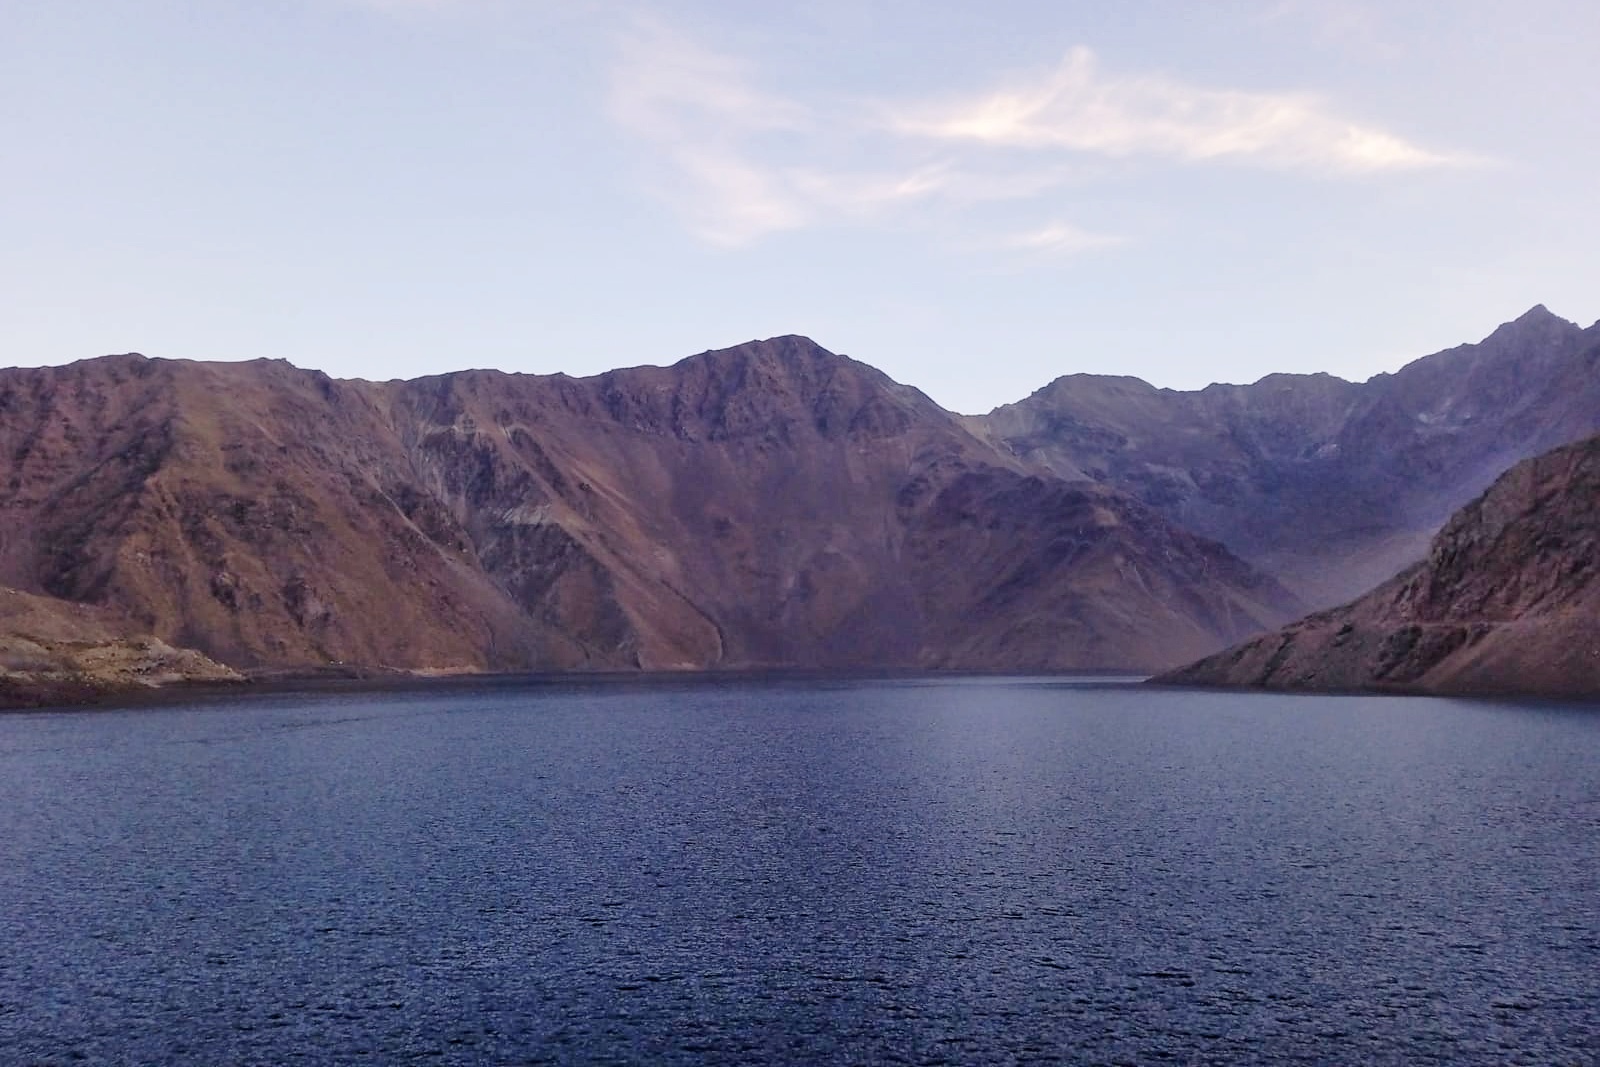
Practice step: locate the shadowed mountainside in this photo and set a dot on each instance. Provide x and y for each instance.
(1506, 601)
(763, 506)
(1331, 486)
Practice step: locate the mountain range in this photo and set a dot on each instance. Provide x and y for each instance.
(1330, 486)
(771, 505)
(1506, 601)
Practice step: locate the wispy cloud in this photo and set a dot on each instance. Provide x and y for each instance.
(702, 111)
(1077, 108)
(740, 161)
(669, 85)
(1060, 238)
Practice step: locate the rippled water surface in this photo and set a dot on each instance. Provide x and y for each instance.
(954, 871)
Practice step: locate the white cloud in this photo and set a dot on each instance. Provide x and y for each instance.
(668, 86)
(700, 110)
(1061, 238)
(1077, 108)
(731, 200)
(741, 162)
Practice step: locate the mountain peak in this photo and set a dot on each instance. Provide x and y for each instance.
(1537, 317)
(787, 344)
(1536, 324)
(789, 348)
(786, 351)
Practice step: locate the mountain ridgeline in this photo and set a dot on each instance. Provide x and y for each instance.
(771, 505)
(767, 506)
(1330, 486)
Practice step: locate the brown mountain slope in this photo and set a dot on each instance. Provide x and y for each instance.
(1329, 485)
(1507, 600)
(768, 505)
(54, 652)
(240, 509)
(737, 508)
(1014, 570)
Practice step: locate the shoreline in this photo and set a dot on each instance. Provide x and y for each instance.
(73, 695)
(81, 696)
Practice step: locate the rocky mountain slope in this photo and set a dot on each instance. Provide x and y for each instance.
(1507, 600)
(1329, 485)
(55, 652)
(768, 505)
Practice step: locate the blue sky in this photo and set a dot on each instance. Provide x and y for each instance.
(974, 198)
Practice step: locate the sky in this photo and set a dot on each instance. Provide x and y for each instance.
(974, 198)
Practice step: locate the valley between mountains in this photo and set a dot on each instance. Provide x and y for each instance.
(772, 505)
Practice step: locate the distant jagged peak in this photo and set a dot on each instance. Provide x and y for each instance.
(1533, 327)
(1537, 333)
(1537, 322)
(1538, 313)
(778, 354)
(785, 346)
(1084, 382)
(784, 353)
(1277, 381)
(1094, 388)
(789, 361)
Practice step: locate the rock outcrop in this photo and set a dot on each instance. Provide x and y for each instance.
(771, 505)
(1506, 601)
(1328, 485)
(53, 652)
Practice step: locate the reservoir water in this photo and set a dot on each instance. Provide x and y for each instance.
(960, 871)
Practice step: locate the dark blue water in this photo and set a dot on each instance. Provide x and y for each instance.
(957, 872)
